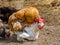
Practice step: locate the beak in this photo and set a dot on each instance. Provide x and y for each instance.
(41, 25)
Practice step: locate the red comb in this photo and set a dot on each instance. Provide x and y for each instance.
(39, 20)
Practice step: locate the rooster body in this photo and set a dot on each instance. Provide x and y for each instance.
(25, 16)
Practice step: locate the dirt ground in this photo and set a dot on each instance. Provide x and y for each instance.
(50, 34)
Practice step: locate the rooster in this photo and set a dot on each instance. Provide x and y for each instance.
(23, 18)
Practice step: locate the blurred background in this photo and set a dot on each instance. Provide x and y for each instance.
(48, 9)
